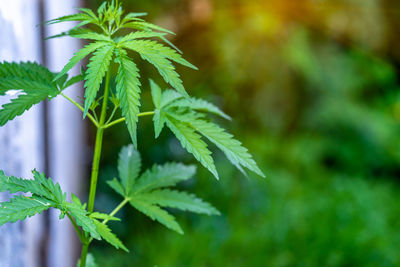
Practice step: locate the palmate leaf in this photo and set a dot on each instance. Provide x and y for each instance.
(107, 235)
(181, 117)
(192, 142)
(156, 213)
(21, 207)
(27, 70)
(148, 194)
(129, 164)
(95, 72)
(128, 91)
(179, 200)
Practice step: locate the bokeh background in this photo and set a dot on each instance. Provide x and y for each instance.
(312, 86)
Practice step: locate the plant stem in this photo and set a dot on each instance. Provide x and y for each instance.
(120, 206)
(147, 113)
(81, 108)
(96, 161)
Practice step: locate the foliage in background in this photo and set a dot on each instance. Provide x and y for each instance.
(319, 85)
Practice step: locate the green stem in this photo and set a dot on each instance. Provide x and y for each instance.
(96, 161)
(108, 125)
(81, 108)
(120, 206)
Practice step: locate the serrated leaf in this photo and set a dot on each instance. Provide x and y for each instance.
(146, 26)
(95, 72)
(128, 92)
(199, 105)
(159, 121)
(192, 142)
(168, 97)
(139, 35)
(74, 80)
(129, 164)
(103, 216)
(78, 56)
(232, 148)
(160, 176)
(82, 219)
(107, 235)
(160, 61)
(156, 213)
(179, 200)
(31, 71)
(20, 207)
(88, 34)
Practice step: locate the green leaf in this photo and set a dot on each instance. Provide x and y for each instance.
(160, 176)
(192, 142)
(103, 216)
(164, 66)
(159, 121)
(82, 219)
(146, 26)
(21, 207)
(128, 92)
(139, 35)
(108, 236)
(156, 94)
(95, 72)
(199, 105)
(116, 185)
(179, 200)
(78, 56)
(156, 213)
(74, 80)
(88, 34)
(169, 96)
(129, 164)
(232, 148)
(31, 71)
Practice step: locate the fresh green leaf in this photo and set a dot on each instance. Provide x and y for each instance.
(21, 207)
(108, 236)
(116, 185)
(160, 176)
(199, 105)
(96, 70)
(192, 142)
(156, 213)
(179, 200)
(129, 164)
(82, 219)
(78, 56)
(128, 92)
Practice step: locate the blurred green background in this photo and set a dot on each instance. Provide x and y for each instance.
(313, 90)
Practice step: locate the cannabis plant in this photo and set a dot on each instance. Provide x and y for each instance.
(186, 117)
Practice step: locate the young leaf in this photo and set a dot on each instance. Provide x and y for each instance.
(103, 216)
(21, 207)
(156, 213)
(160, 176)
(96, 70)
(179, 200)
(192, 142)
(128, 92)
(129, 164)
(108, 236)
